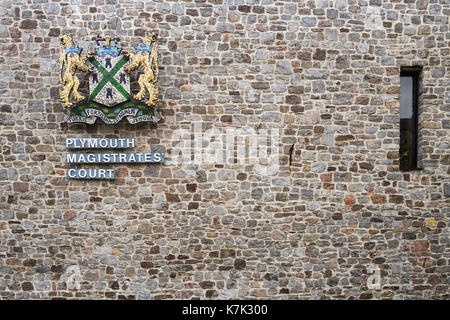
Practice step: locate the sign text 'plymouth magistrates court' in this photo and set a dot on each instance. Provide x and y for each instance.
(105, 143)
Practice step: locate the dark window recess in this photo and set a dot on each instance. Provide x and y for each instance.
(409, 115)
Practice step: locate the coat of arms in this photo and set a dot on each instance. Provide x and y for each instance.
(110, 97)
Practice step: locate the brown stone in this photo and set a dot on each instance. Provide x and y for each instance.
(362, 100)
(54, 32)
(211, 293)
(260, 85)
(172, 197)
(121, 172)
(420, 246)
(20, 187)
(371, 78)
(9, 50)
(342, 62)
(345, 137)
(349, 200)
(146, 264)
(378, 198)
(27, 286)
(293, 99)
(239, 264)
(28, 24)
(366, 296)
(366, 165)
(337, 216)
(145, 228)
(320, 54)
(206, 284)
(29, 262)
(304, 55)
(70, 215)
(395, 198)
(191, 187)
(434, 279)
(226, 253)
(242, 176)
(244, 8)
(326, 177)
(193, 206)
(91, 275)
(226, 118)
(296, 89)
(154, 250)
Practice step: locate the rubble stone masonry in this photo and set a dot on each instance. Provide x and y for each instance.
(334, 213)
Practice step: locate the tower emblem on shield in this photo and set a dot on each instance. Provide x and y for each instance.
(109, 66)
(109, 83)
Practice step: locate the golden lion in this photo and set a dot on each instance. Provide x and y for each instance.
(146, 57)
(69, 61)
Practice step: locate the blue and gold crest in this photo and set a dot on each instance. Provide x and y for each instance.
(110, 96)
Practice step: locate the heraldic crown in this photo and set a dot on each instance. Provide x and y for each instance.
(109, 68)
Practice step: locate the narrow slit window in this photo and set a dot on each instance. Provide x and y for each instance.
(409, 118)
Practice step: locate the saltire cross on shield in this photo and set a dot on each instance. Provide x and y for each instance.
(109, 87)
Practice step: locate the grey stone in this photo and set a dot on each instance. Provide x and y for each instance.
(316, 74)
(79, 196)
(332, 13)
(410, 30)
(318, 86)
(267, 38)
(299, 227)
(308, 21)
(342, 98)
(332, 281)
(163, 7)
(307, 194)
(216, 210)
(109, 260)
(195, 78)
(257, 193)
(18, 147)
(362, 48)
(290, 8)
(342, 177)
(280, 181)
(3, 174)
(437, 72)
(331, 34)
(36, 106)
(227, 175)
(43, 285)
(225, 27)
(178, 8)
(446, 189)
(283, 67)
(318, 167)
(340, 4)
(51, 8)
(185, 21)
(173, 93)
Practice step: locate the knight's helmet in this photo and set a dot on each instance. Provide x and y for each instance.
(69, 46)
(73, 49)
(146, 46)
(108, 48)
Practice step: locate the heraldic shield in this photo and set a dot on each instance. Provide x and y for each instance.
(109, 84)
(110, 97)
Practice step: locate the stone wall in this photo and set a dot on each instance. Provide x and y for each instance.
(335, 212)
